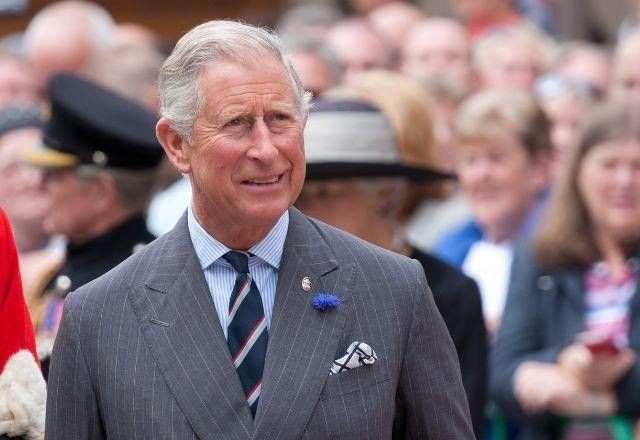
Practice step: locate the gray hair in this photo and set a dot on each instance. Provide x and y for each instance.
(181, 96)
(134, 187)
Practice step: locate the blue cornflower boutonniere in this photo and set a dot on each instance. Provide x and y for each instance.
(325, 301)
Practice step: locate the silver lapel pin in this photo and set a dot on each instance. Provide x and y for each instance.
(306, 284)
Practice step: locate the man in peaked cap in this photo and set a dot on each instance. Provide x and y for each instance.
(99, 155)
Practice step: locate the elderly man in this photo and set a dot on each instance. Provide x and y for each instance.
(65, 35)
(249, 320)
(439, 47)
(360, 47)
(99, 159)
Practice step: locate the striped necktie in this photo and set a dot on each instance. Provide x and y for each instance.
(247, 329)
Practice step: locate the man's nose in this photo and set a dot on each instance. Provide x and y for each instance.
(263, 147)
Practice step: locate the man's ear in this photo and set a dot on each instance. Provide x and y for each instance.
(175, 146)
(105, 192)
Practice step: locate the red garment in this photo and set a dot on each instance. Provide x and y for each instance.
(16, 329)
(481, 26)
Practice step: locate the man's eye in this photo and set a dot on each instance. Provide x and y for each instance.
(280, 117)
(234, 122)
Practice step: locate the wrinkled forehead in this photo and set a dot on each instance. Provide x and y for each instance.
(253, 64)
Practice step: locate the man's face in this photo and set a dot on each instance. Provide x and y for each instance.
(315, 74)
(359, 49)
(73, 201)
(247, 162)
(438, 48)
(511, 67)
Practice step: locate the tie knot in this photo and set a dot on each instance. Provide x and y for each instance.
(238, 260)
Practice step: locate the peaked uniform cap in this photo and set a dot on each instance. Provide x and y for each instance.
(89, 124)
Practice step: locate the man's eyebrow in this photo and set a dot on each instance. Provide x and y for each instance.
(231, 113)
(284, 107)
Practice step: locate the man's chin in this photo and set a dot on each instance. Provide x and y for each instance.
(268, 215)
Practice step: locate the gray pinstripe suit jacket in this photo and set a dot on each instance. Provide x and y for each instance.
(141, 355)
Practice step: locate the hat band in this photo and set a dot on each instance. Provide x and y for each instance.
(349, 137)
(346, 170)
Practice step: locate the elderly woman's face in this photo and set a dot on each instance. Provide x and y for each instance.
(338, 202)
(501, 181)
(609, 183)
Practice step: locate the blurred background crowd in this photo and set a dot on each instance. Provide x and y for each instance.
(533, 249)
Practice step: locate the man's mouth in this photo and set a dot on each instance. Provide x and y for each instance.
(264, 180)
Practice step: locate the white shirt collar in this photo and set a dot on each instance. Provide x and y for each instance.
(209, 250)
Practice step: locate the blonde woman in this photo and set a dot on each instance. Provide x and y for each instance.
(503, 165)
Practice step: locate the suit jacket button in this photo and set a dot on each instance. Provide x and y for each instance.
(545, 282)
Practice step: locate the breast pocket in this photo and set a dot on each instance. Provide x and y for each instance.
(356, 404)
(354, 380)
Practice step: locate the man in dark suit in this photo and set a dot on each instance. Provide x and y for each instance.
(249, 320)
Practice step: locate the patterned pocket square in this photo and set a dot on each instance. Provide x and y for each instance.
(358, 354)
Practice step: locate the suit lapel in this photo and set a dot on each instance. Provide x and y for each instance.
(302, 340)
(179, 322)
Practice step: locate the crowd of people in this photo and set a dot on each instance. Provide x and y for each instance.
(505, 161)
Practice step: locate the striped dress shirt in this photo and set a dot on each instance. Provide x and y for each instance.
(264, 265)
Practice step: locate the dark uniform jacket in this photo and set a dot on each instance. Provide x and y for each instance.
(87, 262)
(90, 260)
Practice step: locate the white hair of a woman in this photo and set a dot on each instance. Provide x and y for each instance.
(181, 96)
